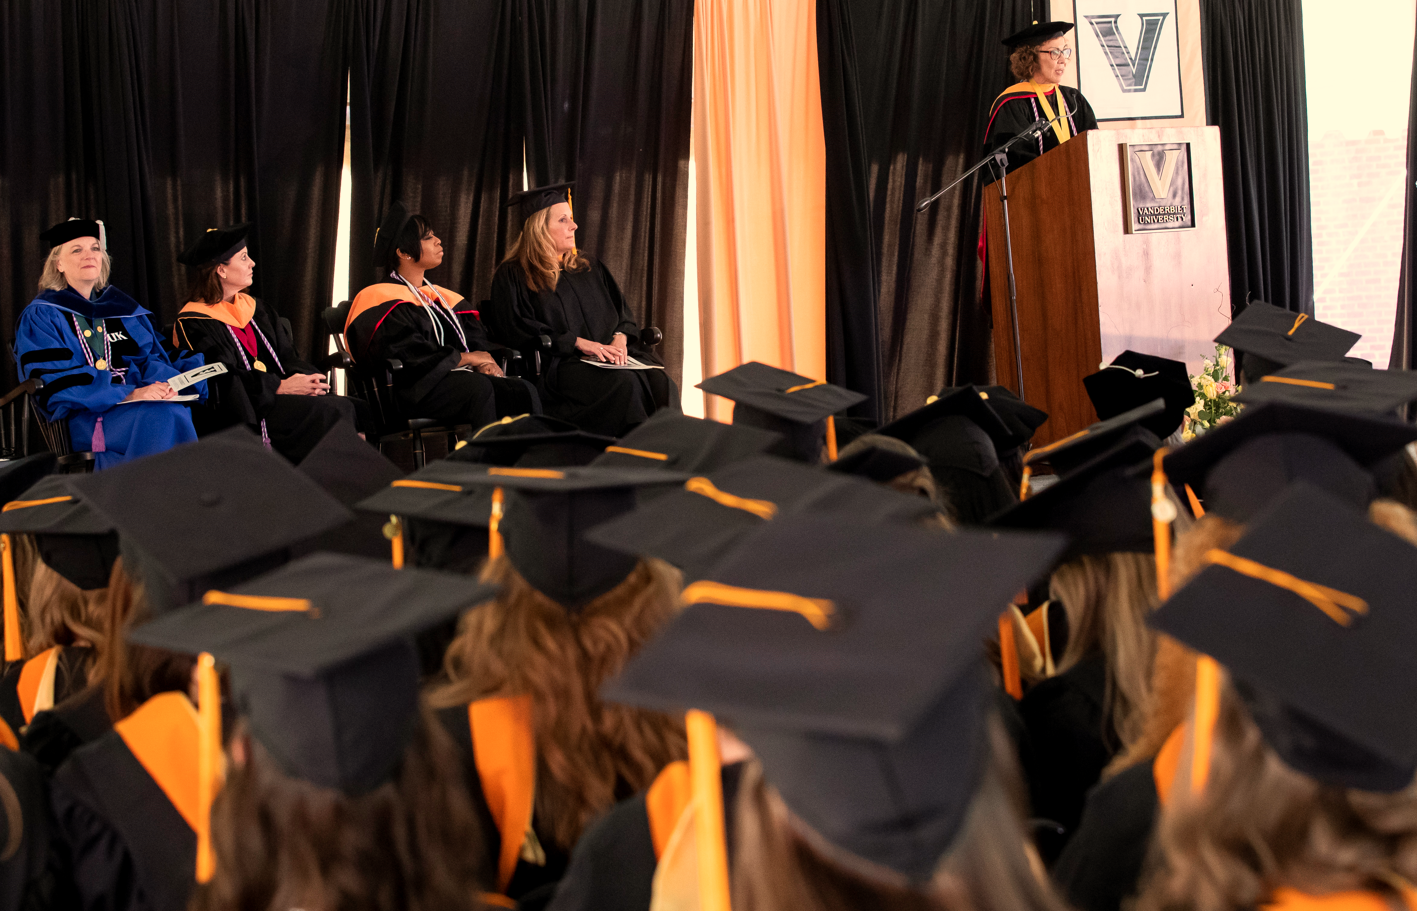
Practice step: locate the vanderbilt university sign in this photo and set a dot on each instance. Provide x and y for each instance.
(1158, 187)
(1129, 61)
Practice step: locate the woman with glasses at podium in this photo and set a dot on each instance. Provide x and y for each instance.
(1039, 56)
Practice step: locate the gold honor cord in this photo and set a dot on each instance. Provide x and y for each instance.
(1297, 323)
(638, 453)
(26, 504)
(427, 485)
(763, 509)
(1289, 381)
(262, 603)
(546, 473)
(819, 612)
(1331, 601)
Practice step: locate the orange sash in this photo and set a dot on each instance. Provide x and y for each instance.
(162, 736)
(504, 749)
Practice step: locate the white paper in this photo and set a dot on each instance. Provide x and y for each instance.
(630, 364)
(195, 375)
(175, 398)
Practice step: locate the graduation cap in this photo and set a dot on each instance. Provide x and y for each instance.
(73, 229)
(19, 475)
(1336, 386)
(784, 402)
(1103, 506)
(349, 470)
(1067, 454)
(937, 439)
(437, 519)
(531, 201)
(207, 514)
(1037, 33)
(1022, 419)
(1241, 466)
(532, 441)
(695, 525)
(1133, 380)
(320, 657)
(545, 517)
(682, 443)
(71, 538)
(1311, 613)
(849, 658)
(216, 245)
(1271, 337)
(877, 463)
(386, 239)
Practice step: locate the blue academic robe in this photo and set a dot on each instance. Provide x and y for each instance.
(49, 345)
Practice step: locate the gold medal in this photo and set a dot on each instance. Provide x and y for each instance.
(88, 333)
(259, 365)
(101, 364)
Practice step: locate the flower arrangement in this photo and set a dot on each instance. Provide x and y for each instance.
(1214, 390)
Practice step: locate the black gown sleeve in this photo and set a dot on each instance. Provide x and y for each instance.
(612, 867)
(35, 875)
(246, 395)
(103, 871)
(1084, 118)
(1102, 865)
(625, 320)
(1071, 740)
(515, 317)
(1010, 117)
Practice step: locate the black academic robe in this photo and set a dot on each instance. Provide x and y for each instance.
(1102, 864)
(33, 871)
(385, 323)
(247, 395)
(1017, 108)
(1071, 739)
(586, 304)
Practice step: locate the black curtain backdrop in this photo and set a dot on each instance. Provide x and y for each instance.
(906, 91)
(1404, 332)
(167, 117)
(607, 88)
(1253, 56)
(435, 120)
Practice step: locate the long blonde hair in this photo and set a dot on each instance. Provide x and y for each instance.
(589, 752)
(535, 252)
(51, 279)
(779, 862)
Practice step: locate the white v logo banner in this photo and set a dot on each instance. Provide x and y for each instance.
(1133, 71)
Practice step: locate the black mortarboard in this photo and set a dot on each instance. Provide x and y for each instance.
(72, 229)
(1037, 33)
(1325, 669)
(329, 686)
(71, 538)
(1271, 337)
(1241, 466)
(876, 463)
(444, 520)
(19, 475)
(546, 515)
(207, 514)
(350, 470)
(1022, 419)
(532, 441)
(1085, 445)
(694, 526)
(920, 428)
(867, 710)
(216, 245)
(1133, 380)
(784, 402)
(1335, 386)
(1103, 506)
(386, 240)
(682, 443)
(531, 201)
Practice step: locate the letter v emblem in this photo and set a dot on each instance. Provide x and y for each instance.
(1160, 183)
(1133, 72)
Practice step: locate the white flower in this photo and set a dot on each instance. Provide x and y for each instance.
(1222, 360)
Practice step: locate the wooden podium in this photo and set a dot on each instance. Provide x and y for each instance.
(1101, 266)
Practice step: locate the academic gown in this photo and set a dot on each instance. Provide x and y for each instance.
(50, 345)
(586, 304)
(56, 733)
(1018, 108)
(33, 869)
(1102, 863)
(241, 335)
(386, 322)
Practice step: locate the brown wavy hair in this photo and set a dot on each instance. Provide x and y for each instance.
(1023, 61)
(205, 286)
(132, 674)
(408, 845)
(535, 252)
(780, 862)
(589, 753)
(59, 612)
(1261, 825)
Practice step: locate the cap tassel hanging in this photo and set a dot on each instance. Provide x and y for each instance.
(831, 437)
(708, 811)
(393, 530)
(1008, 657)
(14, 648)
(494, 525)
(1163, 513)
(209, 759)
(1023, 483)
(1206, 712)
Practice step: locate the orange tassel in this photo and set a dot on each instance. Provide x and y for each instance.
(1008, 657)
(1163, 513)
(1023, 484)
(494, 524)
(1207, 711)
(1197, 509)
(209, 761)
(708, 811)
(393, 530)
(14, 648)
(831, 437)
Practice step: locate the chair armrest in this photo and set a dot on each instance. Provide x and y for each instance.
(651, 336)
(28, 387)
(543, 342)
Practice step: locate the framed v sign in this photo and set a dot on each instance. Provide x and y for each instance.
(1129, 58)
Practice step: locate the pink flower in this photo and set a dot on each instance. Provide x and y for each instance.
(1223, 387)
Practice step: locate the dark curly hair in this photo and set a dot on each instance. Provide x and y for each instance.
(1024, 60)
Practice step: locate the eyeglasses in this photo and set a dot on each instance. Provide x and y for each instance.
(1064, 53)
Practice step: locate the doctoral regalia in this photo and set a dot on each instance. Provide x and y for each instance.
(245, 336)
(1022, 105)
(91, 353)
(386, 321)
(588, 304)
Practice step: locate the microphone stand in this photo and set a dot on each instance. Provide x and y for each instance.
(1000, 158)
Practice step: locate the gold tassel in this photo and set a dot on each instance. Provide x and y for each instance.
(1163, 513)
(708, 811)
(831, 437)
(393, 530)
(14, 648)
(1023, 484)
(209, 770)
(1008, 657)
(1207, 711)
(494, 525)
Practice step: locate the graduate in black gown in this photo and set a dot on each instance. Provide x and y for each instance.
(268, 386)
(447, 373)
(1039, 57)
(548, 287)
